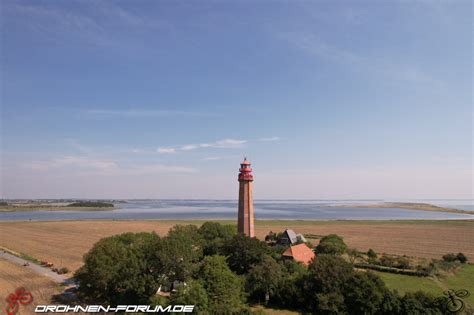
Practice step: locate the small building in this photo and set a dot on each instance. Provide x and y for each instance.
(300, 253)
(290, 237)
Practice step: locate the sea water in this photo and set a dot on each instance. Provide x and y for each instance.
(264, 209)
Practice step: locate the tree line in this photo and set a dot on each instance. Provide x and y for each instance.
(221, 272)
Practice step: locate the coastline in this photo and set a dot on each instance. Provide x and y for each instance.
(31, 208)
(408, 206)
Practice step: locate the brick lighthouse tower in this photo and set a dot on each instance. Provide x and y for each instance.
(245, 219)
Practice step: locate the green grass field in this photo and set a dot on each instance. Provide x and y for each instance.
(463, 279)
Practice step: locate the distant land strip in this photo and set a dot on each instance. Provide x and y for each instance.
(77, 206)
(408, 205)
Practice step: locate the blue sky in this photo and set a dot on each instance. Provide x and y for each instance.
(162, 99)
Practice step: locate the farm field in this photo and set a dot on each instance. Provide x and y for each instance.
(463, 279)
(65, 242)
(13, 276)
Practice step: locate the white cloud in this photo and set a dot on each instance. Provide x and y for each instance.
(229, 143)
(166, 150)
(223, 143)
(189, 147)
(220, 144)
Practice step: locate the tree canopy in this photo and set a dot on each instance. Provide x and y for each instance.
(129, 268)
(215, 236)
(263, 279)
(331, 244)
(119, 270)
(179, 252)
(224, 288)
(242, 252)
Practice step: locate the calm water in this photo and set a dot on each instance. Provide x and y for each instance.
(264, 209)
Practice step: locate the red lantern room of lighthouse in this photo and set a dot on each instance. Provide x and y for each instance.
(245, 224)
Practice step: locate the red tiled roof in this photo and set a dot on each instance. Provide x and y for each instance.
(300, 253)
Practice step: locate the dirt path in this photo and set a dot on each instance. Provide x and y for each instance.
(44, 271)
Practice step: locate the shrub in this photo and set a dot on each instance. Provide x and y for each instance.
(419, 273)
(331, 244)
(371, 253)
(387, 261)
(419, 303)
(353, 255)
(462, 258)
(271, 237)
(63, 270)
(371, 256)
(450, 257)
(393, 262)
(402, 263)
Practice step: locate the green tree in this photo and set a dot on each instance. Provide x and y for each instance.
(119, 270)
(271, 237)
(215, 235)
(331, 244)
(290, 291)
(324, 283)
(242, 252)
(179, 252)
(191, 293)
(391, 304)
(363, 293)
(372, 256)
(223, 287)
(263, 279)
(419, 303)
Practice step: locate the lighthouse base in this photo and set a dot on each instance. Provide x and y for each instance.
(245, 225)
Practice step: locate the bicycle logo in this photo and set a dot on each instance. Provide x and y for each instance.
(20, 296)
(453, 300)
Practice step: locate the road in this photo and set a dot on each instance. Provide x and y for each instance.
(44, 271)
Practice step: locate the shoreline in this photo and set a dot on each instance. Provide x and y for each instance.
(52, 208)
(407, 206)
